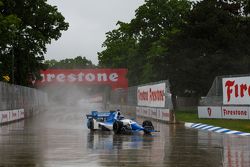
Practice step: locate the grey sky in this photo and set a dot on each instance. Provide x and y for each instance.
(89, 20)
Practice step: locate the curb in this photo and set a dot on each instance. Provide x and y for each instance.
(214, 129)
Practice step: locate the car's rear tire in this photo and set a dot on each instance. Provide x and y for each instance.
(117, 127)
(148, 126)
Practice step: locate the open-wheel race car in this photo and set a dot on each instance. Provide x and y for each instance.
(113, 120)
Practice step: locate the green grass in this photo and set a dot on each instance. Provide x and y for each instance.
(192, 116)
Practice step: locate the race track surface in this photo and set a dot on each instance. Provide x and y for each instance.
(59, 138)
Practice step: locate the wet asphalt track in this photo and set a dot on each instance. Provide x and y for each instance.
(59, 138)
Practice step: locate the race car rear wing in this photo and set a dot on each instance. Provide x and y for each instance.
(99, 115)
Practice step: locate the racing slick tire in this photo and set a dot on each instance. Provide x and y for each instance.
(91, 124)
(117, 127)
(147, 125)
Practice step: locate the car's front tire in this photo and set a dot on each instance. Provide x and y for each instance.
(117, 127)
(148, 126)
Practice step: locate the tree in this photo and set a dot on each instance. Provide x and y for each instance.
(155, 22)
(187, 43)
(39, 24)
(76, 63)
(215, 41)
(120, 51)
(8, 24)
(140, 44)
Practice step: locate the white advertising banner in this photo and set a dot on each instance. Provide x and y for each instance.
(151, 95)
(209, 112)
(156, 113)
(4, 116)
(236, 91)
(153, 113)
(21, 113)
(235, 112)
(164, 114)
(143, 111)
(11, 115)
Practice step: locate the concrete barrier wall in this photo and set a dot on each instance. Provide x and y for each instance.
(162, 114)
(224, 112)
(18, 102)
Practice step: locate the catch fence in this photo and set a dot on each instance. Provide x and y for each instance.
(19, 97)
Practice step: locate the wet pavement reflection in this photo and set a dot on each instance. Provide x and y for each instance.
(59, 138)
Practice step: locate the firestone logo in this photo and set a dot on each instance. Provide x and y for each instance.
(156, 95)
(80, 77)
(151, 95)
(235, 112)
(237, 90)
(115, 78)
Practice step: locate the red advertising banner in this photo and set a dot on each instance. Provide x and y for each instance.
(116, 78)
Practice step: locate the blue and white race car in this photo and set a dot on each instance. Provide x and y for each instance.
(114, 121)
